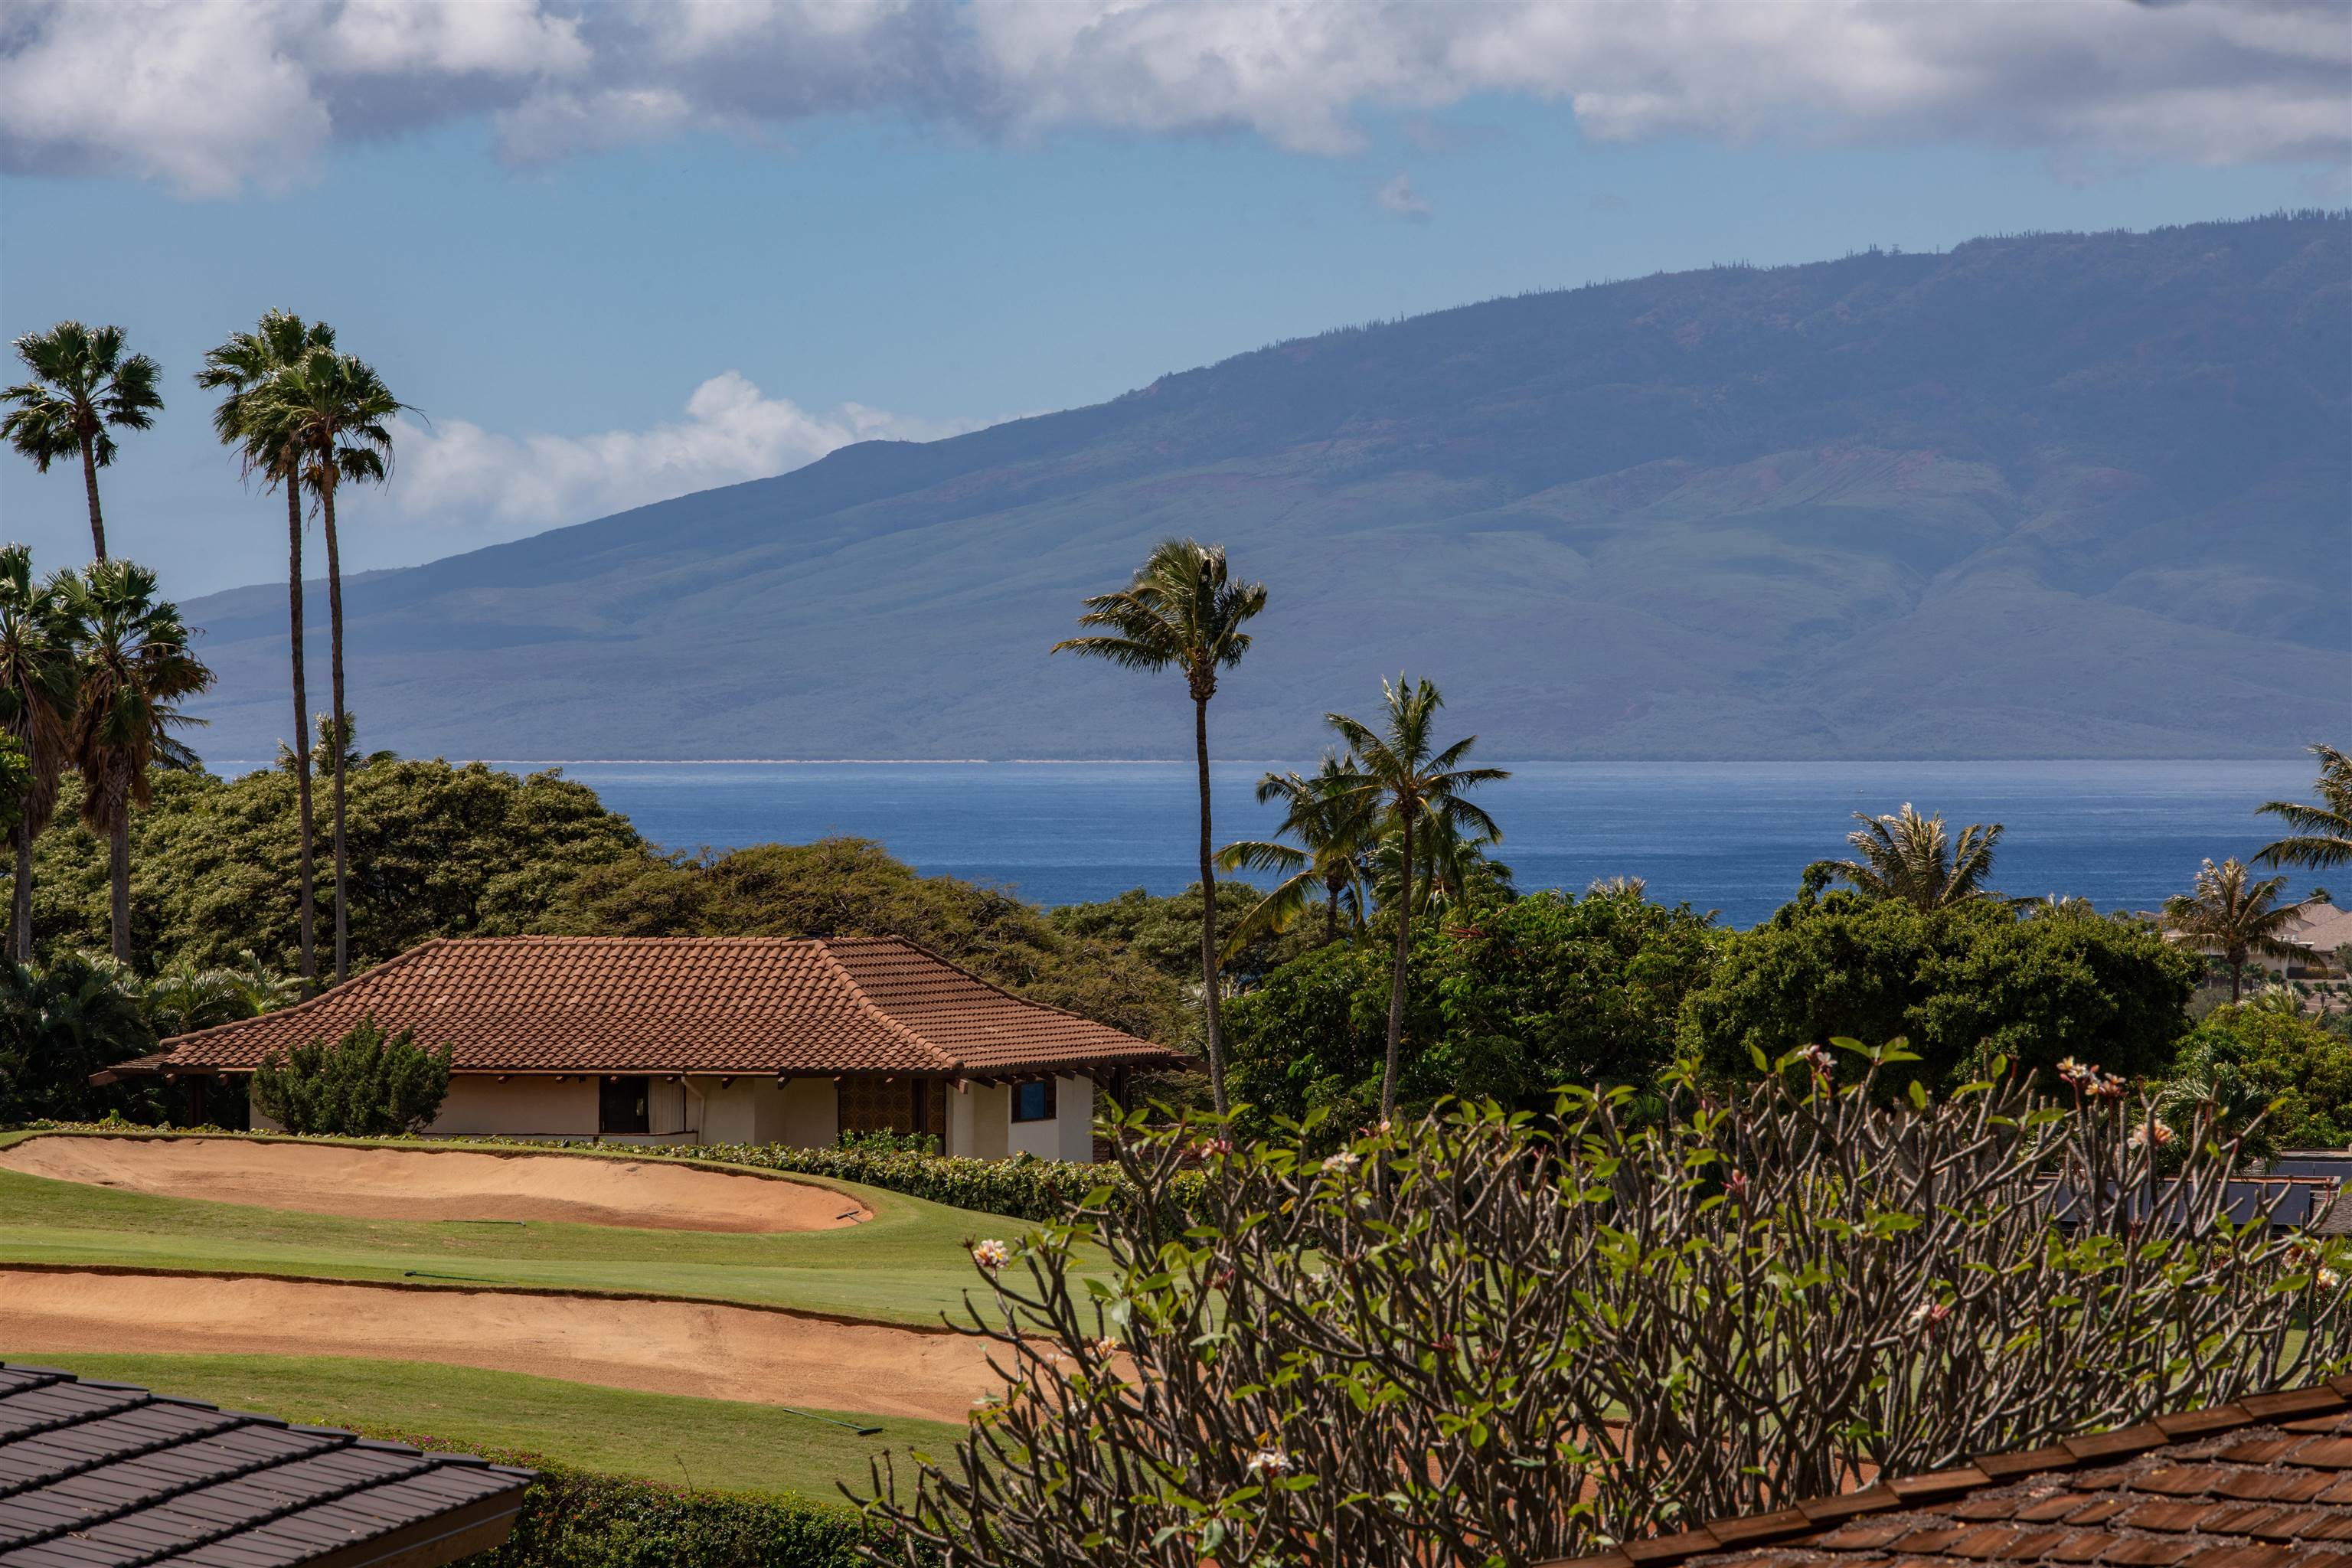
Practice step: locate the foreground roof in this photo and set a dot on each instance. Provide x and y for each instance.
(105, 1474)
(705, 1005)
(2263, 1483)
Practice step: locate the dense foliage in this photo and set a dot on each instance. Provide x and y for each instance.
(60, 1022)
(2277, 1059)
(369, 1084)
(1021, 1188)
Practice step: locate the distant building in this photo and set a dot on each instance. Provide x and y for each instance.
(713, 1040)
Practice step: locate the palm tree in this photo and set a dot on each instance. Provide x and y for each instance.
(241, 367)
(1451, 869)
(1417, 786)
(1183, 610)
(135, 666)
(38, 682)
(336, 413)
(1332, 822)
(1912, 857)
(2323, 832)
(82, 390)
(2231, 917)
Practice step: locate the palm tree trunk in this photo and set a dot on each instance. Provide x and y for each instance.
(1330, 914)
(308, 874)
(20, 903)
(1396, 976)
(118, 837)
(90, 484)
(2237, 977)
(1208, 911)
(338, 726)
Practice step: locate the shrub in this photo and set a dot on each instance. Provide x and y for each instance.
(1021, 1188)
(61, 1022)
(2242, 1059)
(1477, 1341)
(367, 1085)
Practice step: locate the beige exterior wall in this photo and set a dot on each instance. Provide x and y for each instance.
(481, 1105)
(754, 1110)
(811, 1114)
(978, 1120)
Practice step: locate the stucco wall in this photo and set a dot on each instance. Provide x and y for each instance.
(811, 1114)
(523, 1107)
(754, 1110)
(977, 1120)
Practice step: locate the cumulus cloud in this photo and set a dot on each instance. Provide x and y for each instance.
(455, 473)
(210, 96)
(1399, 199)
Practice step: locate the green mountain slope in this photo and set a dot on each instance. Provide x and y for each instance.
(2051, 495)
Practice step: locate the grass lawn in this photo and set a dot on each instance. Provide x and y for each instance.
(666, 1437)
(906, 1264)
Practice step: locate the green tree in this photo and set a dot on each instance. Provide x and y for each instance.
(59, 1023)
(2246, 1060)
(1914, 858)
(1184, 610)
(136, 669)
(1417, 785)
(368, 1084)
(1332, 822)
(335, 411)
(2323, 832)
(81, 391)
(2231, 917)
(241, 368)
(1452, 869)
(39, 678)
(16, 778)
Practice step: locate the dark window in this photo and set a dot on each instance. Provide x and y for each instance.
(621, 1107)
(1034, 1102)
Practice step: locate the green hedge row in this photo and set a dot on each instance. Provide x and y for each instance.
(1022, 1187)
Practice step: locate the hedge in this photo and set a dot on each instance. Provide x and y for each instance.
(1024, 1187)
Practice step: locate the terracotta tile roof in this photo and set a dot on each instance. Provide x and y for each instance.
(105, 1474)
(2263, 1483)
(740, 1004)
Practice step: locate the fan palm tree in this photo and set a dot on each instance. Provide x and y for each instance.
(1332, 822)
(1417, 788)
(82, 390)
(135, 667)
(39, 680)
(1912, 857)
(336, 413)
(240, 368)
(1183, 610)
(2231, 917)
(2323, 832)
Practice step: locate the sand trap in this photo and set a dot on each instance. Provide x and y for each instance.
(665, 1347)
(416, 1183)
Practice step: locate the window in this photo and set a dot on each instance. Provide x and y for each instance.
(1034, 1102)
(622, 1105)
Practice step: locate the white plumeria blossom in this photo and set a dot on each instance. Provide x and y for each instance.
(1342, 1163)
(992, 1254)
(1269, 1461)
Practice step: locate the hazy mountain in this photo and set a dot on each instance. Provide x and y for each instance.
(2060, 495)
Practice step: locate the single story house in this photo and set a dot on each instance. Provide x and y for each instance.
(713, 1040)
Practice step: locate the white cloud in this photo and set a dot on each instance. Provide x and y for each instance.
(455, 473)
(1399, 199)
(206, 96)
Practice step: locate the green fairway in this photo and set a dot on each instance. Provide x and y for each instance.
(666, 1437)
(906, 1264)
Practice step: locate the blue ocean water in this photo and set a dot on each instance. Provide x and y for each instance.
(1730, 836)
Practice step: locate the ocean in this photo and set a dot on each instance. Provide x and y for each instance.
(1728, 836)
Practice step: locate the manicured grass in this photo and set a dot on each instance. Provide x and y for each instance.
(665, 1438)
(906, 1264)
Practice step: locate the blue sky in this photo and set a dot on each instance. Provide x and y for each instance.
(644, 300)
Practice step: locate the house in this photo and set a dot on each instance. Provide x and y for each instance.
(713, 1040)
(2320, 935)
(2265, 1482)
(94, 1474)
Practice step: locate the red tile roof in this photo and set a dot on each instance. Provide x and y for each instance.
(724, 1005)
(2263, 1483)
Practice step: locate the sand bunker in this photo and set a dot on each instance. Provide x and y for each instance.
(416, 1183)
(665, 1347)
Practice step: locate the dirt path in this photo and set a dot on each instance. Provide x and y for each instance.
(417, 1184)
(663, 1347)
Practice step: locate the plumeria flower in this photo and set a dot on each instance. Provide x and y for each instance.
(2328, 1278)
(992, 1254)
(1105, 1347)
(2075, 1072)
(1735, 1184)
(1342, 1163)
(1823, 1062)
(2161, 1133)
(1209, 1146)
(1269, 1461)
(1927, 1314)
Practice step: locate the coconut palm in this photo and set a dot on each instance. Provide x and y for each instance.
(336, 413)
(1451, 869)
(1417, 788)
(1914, 858)
(82, 390)
(136, 669)
(39, 679)
(2323, 832)
(1332, 824)
(2230, 916)
(1183, 610)
(240, 368)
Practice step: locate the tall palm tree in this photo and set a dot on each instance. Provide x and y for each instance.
(1184, 610)
(336, 413)
(1912, 857)
(82, 390)
(1450, 868)
(2323, 832)
(135, 667)
(1332, 822)
(2228, 915)
(1417, 786)
(241, 367)
(39, 680)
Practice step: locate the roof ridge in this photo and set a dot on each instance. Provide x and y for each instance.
(976, 978)
(874, 1010)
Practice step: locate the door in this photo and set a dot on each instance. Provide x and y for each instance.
(623, 1104)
